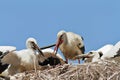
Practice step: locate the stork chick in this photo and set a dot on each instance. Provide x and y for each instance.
(51, 58)
(23, 60)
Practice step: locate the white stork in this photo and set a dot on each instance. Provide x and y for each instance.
(23, 60)
(70, 44)
(113, 52)
(99, 54)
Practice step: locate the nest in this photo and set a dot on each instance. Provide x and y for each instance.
(102, 70)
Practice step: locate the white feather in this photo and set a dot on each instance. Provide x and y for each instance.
(49, 50)
(112, 52)
(7, 48)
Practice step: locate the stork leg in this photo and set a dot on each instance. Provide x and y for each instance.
(35, 67)
(66, 61)
(79, 61)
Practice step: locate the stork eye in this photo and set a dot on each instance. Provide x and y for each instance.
(32, 42)
(91, 52)
(61, 37)
(33, 45)
(79, 44)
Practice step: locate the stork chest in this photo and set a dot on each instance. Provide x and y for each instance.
(69, 51)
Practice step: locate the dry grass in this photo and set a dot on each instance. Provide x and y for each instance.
(103, 70)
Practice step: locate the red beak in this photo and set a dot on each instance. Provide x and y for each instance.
(59, 41)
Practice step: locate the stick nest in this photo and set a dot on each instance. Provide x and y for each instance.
(102, 70)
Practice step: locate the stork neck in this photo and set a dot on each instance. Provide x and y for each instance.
(28, 45)
(65, 39)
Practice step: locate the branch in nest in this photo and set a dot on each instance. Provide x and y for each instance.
(82, 56)
(116, 73)
(87, 69)
(101, 74)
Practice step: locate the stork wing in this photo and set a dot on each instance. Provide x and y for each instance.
(11, 58)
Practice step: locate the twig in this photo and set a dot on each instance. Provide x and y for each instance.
(117, 78)
(77, 73)
(87, 70)
(106, 67)
(113, 75)
(82, 56)
(100, 74)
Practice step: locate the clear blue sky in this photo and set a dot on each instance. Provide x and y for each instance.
(98, 21)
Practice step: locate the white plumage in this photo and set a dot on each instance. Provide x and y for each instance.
(49, 50)
(70, 44)
(105, 48)
(7, 48)
(109, 52)
(23, 60)
(96, 55)
(112, 52)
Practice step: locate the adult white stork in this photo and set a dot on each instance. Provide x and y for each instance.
(23, 60)
(70, 44)
(50, 58)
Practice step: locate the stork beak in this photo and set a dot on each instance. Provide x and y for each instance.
(35, 46)
(59, 41)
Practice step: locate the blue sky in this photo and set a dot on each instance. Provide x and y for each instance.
(98, 21)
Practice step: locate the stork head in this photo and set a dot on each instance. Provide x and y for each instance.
(94, 56)
(31, 43)
(60, 39)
